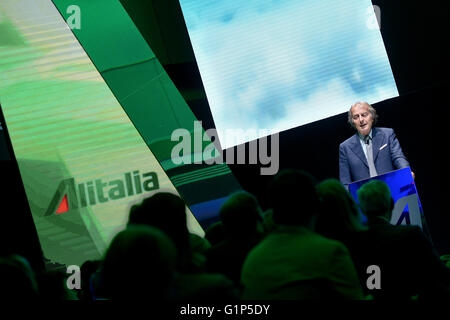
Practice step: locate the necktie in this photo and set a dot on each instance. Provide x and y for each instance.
(372, 170)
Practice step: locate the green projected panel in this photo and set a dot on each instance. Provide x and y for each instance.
(82, 161)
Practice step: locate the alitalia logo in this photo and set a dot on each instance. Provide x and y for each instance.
(69, 196)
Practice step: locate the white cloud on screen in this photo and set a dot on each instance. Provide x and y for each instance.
(287, 63)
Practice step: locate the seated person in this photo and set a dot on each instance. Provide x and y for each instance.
(408, 263)
(138, 265)
(167, 212)
(340, 219)
(294, 262)
(241, 219)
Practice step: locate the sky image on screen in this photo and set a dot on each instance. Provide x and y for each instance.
(276, 65)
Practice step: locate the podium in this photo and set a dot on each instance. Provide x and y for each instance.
(407, 207)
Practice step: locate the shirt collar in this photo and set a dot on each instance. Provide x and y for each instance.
(361, 137)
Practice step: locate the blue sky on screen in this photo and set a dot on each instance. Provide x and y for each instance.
(268, 64)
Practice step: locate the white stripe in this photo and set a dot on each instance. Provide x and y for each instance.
(383, 146)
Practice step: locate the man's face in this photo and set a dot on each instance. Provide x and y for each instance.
(362, 118)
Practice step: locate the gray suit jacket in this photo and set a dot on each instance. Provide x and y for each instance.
(387, 156)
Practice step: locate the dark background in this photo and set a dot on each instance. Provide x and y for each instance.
(416, 36)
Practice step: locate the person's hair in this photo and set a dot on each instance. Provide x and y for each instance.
(293, 197)
(165, 211)
(372, 111)
(375, 199)
(139, 264)
(339, 213)
(240, 214)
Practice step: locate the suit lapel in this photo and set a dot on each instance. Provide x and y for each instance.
(377, 141)
(357, 149)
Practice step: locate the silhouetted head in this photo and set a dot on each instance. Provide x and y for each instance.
(215, 233)
(293, 197)
(375, 199)
(87, 269)
(240, 214)
(17, 279)
(165, 211)
(139, 265)
(339, 213)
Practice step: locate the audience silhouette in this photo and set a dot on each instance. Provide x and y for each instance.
(215, 233)
(310, 244)
(294, 262)
(167, 212)
(18, 281)
(340, 219)
(241, 219)
(409, 265)
(139, 265)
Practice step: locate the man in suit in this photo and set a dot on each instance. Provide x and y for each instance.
(371, 151)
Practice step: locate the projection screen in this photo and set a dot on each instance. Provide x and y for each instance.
(276, 65)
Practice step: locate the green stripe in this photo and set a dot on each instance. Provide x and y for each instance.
(198, 179)
(204, 170)
(205, 176)
(200, 172)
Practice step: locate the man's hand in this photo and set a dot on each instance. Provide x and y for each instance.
(413, 175)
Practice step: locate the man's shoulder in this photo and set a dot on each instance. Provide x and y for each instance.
(407, 231)
(321, 243)
(293, 234)
(348, 141)
(385, 131)
(410, 231)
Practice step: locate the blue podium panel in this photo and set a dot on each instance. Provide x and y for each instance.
(407, 208)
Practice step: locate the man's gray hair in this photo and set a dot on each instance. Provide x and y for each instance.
(375, 198)
(371, 110)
